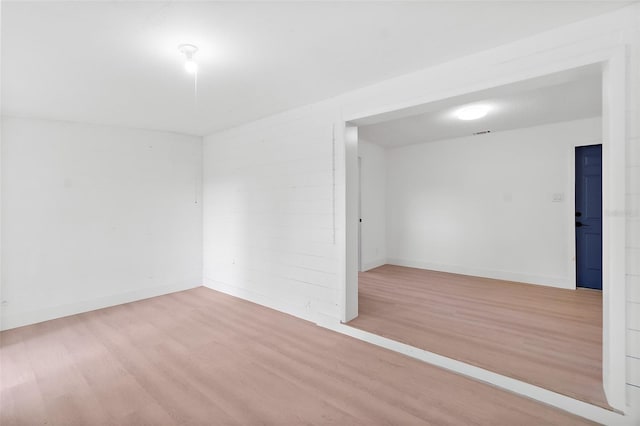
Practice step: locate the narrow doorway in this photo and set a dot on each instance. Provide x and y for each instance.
(589, 216)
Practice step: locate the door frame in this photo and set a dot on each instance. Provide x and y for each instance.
(360, 268)
(612, 60)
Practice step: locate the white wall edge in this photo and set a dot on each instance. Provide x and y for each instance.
(351, 216)
(537, 393)
(557, 282)
(19, 319)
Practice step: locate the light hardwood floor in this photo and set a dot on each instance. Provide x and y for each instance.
(545, 336)
(202, 357)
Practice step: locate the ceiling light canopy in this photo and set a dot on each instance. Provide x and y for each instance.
(472, 112)
(189, 51)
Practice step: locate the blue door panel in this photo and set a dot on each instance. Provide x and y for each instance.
(589, 216)
(593, 197)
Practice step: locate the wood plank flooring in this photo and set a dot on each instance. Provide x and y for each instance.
(544, 336)
(200, 357)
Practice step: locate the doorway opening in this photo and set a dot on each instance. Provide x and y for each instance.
(406, 166)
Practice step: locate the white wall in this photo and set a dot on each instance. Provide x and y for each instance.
(483, 205)
(269, 222)
(311, 261)
(632, 215)
(373, 204)
(94, 216)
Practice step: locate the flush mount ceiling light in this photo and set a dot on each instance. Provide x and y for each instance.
(472, 112)
(189, 51)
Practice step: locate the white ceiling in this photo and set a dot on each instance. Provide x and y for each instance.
(565, 96)
(117, 62)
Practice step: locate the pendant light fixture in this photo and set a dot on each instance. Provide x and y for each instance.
(189, 51)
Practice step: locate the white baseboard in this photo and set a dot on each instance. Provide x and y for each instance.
(558, 282)
(19, 319)
(260, 299)
(366, 266)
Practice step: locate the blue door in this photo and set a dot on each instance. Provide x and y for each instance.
(589, 216)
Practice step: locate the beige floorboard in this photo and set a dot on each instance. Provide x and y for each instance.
(545, 336)
(201, 357)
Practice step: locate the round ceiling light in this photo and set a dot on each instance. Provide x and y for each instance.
(472, 112)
